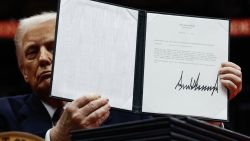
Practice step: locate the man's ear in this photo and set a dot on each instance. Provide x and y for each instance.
(23, 71)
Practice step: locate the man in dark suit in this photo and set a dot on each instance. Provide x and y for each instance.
(27, 113)
(34, 112)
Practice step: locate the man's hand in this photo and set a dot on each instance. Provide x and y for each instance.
(231, 77)
(84, 112)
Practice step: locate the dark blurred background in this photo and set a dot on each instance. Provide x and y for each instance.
(12, 83)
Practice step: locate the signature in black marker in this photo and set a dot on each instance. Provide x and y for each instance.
(195, 86)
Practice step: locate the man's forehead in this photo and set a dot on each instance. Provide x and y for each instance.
(49, 24)
(40, 33)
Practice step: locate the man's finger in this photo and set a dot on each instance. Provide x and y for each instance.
(230, 64)
(226, 70)
(233, 78)
(93, 106)
(98, 114)
(82, 101)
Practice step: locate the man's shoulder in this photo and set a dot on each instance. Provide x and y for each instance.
(18, 98)
(14, 101)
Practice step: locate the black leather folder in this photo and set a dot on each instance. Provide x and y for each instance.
(143, 61)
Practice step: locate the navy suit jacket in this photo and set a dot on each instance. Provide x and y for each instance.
(27, 113)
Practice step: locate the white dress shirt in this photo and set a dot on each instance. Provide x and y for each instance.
(51, 112)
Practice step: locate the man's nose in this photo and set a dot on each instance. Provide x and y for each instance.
(45, 57)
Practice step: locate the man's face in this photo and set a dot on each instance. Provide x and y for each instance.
(36, 53)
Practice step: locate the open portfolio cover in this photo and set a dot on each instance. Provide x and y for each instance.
(142, 61)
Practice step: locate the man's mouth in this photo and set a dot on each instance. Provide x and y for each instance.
(44, 75)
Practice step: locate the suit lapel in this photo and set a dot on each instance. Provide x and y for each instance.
(34, 117)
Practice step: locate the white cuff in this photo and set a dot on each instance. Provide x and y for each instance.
(222, 125)
(47, 135)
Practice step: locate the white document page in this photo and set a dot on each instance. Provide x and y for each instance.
(95, 52)
(182, 59)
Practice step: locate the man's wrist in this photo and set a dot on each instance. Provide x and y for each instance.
(216, 123)
(58, 135)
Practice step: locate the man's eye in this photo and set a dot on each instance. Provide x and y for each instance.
(31, 53)
(50, 46)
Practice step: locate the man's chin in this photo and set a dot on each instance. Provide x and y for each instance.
(44, 87)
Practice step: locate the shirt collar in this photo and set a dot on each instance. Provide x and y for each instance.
(50, 109)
